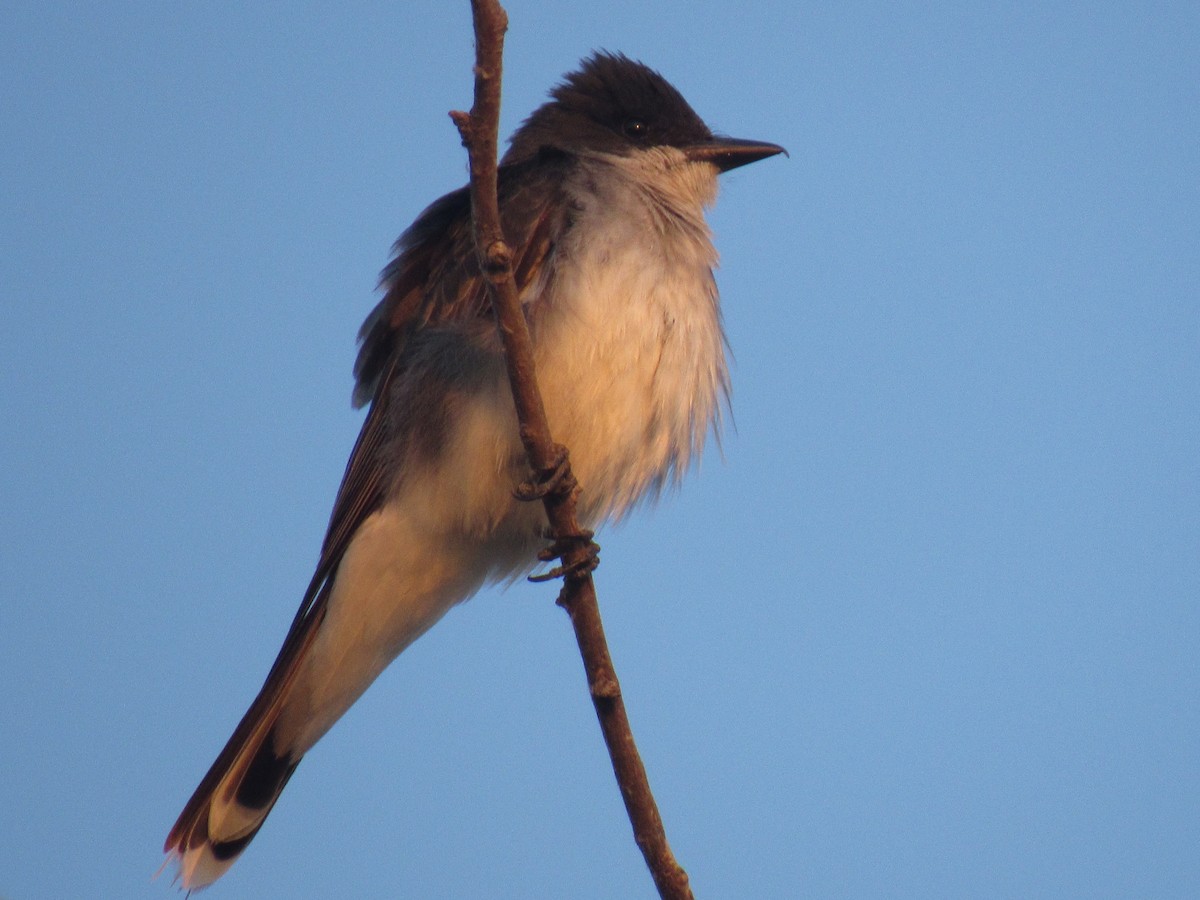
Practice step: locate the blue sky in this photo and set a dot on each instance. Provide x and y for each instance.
(928, 628)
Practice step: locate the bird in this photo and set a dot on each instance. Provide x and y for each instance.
(602, 194)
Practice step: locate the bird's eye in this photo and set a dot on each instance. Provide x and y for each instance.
(635, 129)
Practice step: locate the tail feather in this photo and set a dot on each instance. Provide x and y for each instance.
(233, 799)
(222, 822)
(333, 651)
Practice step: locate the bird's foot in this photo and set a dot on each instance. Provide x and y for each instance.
(557, 479)
(585, 551)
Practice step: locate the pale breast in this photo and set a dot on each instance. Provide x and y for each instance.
(631, 351)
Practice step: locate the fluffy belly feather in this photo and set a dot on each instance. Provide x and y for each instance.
(632, 372)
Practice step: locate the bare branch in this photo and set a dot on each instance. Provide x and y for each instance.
(550, 462)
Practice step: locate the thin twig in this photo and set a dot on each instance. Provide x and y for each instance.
(550, 463)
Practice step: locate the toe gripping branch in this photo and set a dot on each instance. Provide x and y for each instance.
(578, 552)
(555, 479)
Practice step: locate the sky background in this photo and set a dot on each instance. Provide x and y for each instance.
(930, 626)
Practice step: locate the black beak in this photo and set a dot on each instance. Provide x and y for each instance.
(729, 153)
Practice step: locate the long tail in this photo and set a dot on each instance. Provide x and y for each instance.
(234, 798)
(396, 578)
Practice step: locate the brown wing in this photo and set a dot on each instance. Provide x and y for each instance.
(434, 278)
(249, 760)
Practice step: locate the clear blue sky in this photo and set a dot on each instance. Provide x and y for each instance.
(931, 627)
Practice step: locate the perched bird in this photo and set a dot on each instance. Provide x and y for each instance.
(602, 194)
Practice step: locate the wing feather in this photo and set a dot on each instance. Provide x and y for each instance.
(434, 278)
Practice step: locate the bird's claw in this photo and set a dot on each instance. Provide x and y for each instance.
(556, 479)
(559, 550)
